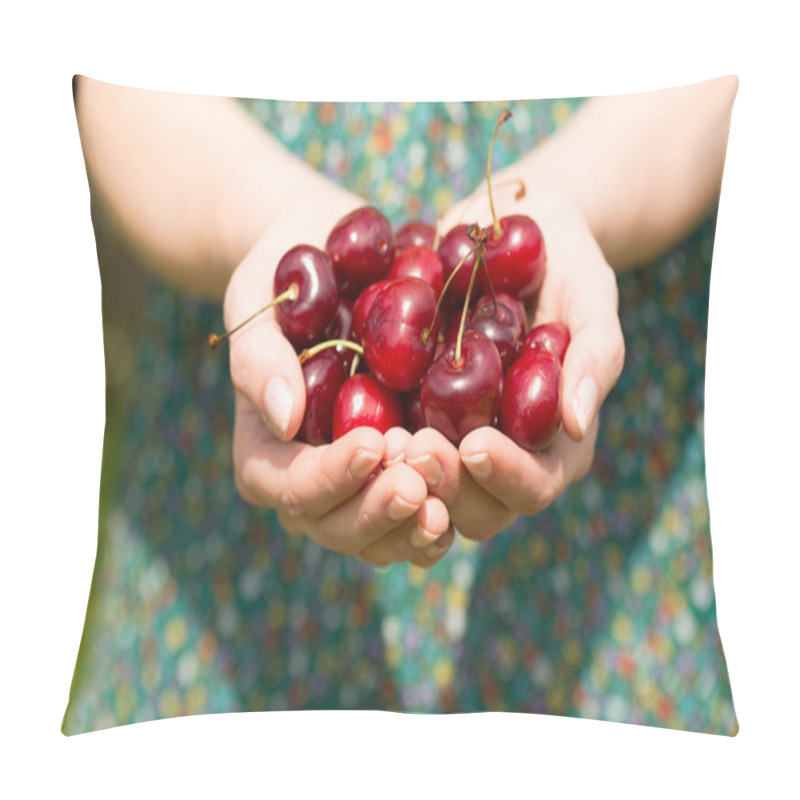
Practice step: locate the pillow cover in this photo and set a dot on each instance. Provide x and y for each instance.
(601, 606)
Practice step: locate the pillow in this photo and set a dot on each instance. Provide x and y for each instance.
(601, 606)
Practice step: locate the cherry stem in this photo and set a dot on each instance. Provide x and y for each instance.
(354, 365)
(427, 332)
(504, 115)
(290, 294)
(458, 362)
(318, 348)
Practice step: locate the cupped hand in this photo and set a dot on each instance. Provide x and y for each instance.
(488, 480)
(355, 496)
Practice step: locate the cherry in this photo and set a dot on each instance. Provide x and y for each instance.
(419, 261)
(305, 296)
(515, 255)
(398, 347)
(415, 233)
(362, 307)
(362, 401)
(455, 247)
(340, 327)
(552, 336)
(501, 327)
(530, 405)
(361, 247)
(324, 375)
(461, 390)
(511, 301)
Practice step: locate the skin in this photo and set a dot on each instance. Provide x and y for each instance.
(210, 202)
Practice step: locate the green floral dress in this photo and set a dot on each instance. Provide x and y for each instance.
(600, 607)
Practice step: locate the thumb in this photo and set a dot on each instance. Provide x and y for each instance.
(594, 358)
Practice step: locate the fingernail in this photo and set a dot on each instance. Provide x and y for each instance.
(393, 460)
(278, 405)
(479, 465)
(584, 404)
(422, 538)
(363, 462)
(429, 467)
(399, 509)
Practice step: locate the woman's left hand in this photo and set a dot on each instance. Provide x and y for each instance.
(489, 480)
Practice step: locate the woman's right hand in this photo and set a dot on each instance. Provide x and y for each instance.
(354, 496)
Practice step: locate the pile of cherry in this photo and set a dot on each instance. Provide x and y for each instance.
(395, 329)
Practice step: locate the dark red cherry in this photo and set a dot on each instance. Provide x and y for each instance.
(413, 418)
(362, 401)
(303, 321)
(361, 247)
(340, 327)
(324, 375)
(453, 247)
(459, 396)
(511, 301)
(552, 336)
(530, 407)
(362, 307)
(516, 255)
(414, 233)
(395, 349)
(419, 261)
(501, 327)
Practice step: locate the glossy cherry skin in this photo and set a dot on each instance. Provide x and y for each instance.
(419, 261)
(551, 336)
(511, 301)
(414, 233)
(516, 256)
(501, 327)
(324, 375)
(361, 247)
(530, 406)
(362, 307)
(362, 401)
(304, 320)
(455, 244)
(394, 347)
(459, 397)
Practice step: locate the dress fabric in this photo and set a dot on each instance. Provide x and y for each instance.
(600, 607)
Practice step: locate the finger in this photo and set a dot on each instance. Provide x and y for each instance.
(383, 504)
(298, 478)
(596, 352)
(522, 481)
(432, 555)
(396, 441)
(477, 514)
(412, 539)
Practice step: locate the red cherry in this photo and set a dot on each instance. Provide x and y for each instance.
(362, 307)
(530, 406)
(419, 261)
(501, 327)
(454, 246)
(459, 396)
(395, 349)
(511, 301)
(361, 247)
(414, 233)
(303, 321)
(324, 375)
(362, 401)
(552, 336)
(516, 255)
(340, 327)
